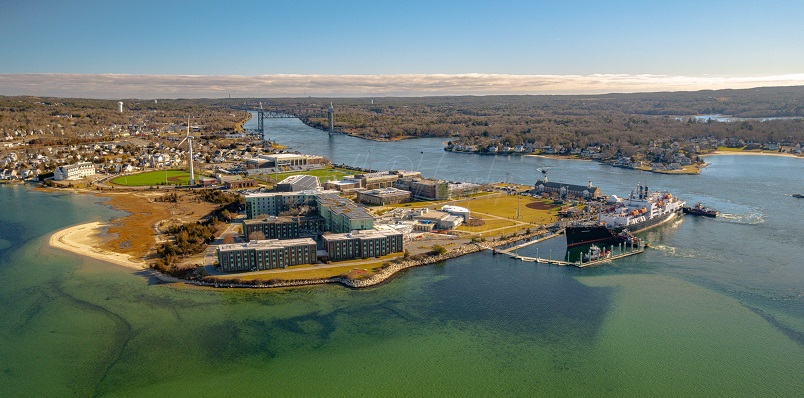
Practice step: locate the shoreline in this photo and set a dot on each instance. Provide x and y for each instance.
(744, 153)
(82, 239)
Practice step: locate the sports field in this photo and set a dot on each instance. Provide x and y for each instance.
(161, 177)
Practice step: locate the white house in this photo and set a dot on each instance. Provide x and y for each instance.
(74, 171)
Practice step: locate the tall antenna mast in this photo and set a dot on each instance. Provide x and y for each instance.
(190, 144)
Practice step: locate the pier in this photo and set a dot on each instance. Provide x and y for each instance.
(623, 251)
(530, 242)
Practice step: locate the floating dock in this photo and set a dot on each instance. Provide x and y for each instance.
(624, 252)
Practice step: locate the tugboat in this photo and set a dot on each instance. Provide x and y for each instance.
(700, 210)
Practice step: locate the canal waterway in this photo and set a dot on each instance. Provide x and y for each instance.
(716, 308)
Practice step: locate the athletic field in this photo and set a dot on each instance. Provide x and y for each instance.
(151, 178)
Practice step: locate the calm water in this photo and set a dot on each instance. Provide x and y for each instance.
(717, 309)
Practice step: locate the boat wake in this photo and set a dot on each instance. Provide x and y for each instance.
(674, 251)
(671, 251)
(743, 218)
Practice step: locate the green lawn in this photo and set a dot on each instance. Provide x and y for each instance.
(162, 177)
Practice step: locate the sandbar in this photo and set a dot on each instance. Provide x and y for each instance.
(83, 239)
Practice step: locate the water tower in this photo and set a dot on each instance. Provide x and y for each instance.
(120, 106)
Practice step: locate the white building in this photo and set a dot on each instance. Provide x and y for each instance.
(74, 171)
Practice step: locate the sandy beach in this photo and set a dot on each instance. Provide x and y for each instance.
(83, 239)
(741, 153)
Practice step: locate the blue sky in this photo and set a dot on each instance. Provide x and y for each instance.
(711, 39)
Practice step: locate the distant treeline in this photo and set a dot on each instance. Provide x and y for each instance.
(633, 119)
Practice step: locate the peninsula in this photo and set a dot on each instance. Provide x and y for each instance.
(248, 195)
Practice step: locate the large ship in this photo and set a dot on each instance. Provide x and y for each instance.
(642, 209)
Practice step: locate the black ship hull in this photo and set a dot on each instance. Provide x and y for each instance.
(582, 235)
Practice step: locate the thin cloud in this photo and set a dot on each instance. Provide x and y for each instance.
(291, 85)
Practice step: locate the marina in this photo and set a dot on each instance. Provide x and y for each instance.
(623, 251)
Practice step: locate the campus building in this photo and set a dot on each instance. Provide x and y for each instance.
(362, 244)
(266, 254)
(384, 196)
(284, 227)
(424, 189)
(567, 190)
(342, 215)
(74, 171)
(273, 203)
(283, 161)
(296, 183)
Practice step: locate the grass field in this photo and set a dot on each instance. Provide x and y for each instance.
(161, 177)
(531, 210)
(499, 213)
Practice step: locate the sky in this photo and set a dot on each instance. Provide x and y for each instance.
(159, 49)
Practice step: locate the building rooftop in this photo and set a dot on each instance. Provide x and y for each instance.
(339, 205)
(266, 244)
(363, 234)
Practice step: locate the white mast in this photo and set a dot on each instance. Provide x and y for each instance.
(190, 142)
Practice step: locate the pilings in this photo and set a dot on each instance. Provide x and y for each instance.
(624, 251)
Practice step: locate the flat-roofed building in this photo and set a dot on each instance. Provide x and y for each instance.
(362, 244)
(381, 179)
(345, 185)
(384, 196)
(342, 215)
(266, 254)
(424, 189)
(235, 181)
(464, 189)
(273, 227)
(296, 183)
(282, 160)
(439, 219)
(74, 171)
(273, 203)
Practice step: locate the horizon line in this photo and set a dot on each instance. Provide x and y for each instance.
(156, 86)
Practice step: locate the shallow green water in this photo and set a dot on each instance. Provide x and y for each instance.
(681, 320)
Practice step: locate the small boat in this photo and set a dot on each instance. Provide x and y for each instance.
(798, 195)
(699, 210)
(627, 237)
(596, 253)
